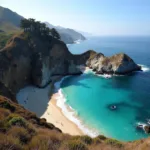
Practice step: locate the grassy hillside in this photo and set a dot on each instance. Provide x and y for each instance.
(4, 37)
(6, 15)
(9, 20)
(23, 130)
(8, 27)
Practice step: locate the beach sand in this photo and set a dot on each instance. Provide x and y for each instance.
(43, 102)
(54, 115)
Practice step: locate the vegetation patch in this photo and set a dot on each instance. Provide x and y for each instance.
(101, 137)
(7, 105)
(76, 145)
(114, 142)
(21, 133)
(86, 139)
(18, 121)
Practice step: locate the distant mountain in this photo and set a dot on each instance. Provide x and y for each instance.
(86, 34)
(67, 35)
(9, 20)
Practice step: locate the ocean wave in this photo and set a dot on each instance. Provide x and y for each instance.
(144, 68)
(70, 113)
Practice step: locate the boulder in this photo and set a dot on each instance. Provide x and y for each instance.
(147, 129)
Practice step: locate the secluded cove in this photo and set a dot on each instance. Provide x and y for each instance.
(91, 97)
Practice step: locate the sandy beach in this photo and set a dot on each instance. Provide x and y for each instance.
(55, 115)
(43, 102)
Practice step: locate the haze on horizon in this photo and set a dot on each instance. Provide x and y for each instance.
(99, 17)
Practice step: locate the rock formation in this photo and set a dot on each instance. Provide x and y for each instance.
(31, 59)
(147, 129)
(117, 64)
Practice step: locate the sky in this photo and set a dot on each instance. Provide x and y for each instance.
(99, 17)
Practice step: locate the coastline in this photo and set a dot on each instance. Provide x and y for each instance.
(50, 104)
(57, 110)
(54, 115)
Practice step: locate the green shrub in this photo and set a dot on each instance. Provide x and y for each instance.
(86, 139)
(19, 121)
(75, 145)
(114, 142)
(7, 106)
(96, 141)
(101, 137)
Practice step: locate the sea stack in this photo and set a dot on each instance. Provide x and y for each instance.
(116, 64)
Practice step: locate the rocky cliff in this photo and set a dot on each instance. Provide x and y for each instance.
(32, 59)
(117, 64)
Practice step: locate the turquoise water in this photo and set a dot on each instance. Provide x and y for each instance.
(91, 96)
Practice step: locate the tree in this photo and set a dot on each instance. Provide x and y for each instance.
(43, 26)
(23, 24)
(54, 33)
(32, 23)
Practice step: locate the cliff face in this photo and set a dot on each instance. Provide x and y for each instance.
(117, 64)
(31, 59)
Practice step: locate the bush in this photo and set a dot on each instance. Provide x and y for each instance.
(31, 129)
(101, 137)
(75, 145)
(9, 143)
(20, 133)
(4, 113)
(43, 142)
(7, 106)
(96, 141)
(86, 139)
(19, 121)
(114, 142)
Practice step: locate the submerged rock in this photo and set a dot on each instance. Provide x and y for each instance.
(147, 129)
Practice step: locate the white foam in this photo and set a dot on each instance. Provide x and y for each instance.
(70, 113)
(144, 68)
(77, 41)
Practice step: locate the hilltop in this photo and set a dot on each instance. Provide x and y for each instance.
(10, 23)
(67, 35)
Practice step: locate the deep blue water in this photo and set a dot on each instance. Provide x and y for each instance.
(91, 96)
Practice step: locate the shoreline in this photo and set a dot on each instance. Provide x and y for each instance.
(65, 119)
(49, 103)
(54, 115)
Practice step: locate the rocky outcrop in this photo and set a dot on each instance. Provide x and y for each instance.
(117, 64)
(31, 59)
(34, 60)
(147, 129)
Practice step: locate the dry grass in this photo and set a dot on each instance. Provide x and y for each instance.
(20, 133)
(8, 142)
(25, 131)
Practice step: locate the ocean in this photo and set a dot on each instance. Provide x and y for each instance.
(89, 97)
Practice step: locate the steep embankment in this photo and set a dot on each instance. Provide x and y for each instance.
(23, 130)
